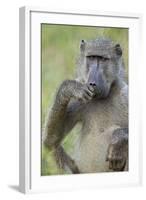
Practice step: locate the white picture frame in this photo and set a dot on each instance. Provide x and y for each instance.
(30, 136)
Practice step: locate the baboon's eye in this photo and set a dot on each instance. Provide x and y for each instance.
(91, 57)
(104, 58)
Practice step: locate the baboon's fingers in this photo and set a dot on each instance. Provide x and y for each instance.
(91, 94)
(91, 88)
(116, 164)
(86, 97)
(110, 165)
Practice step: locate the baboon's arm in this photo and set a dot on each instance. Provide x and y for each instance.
(63, 159)
(62, 118)
(66, 110)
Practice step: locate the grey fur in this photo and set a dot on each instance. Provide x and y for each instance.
(101, 109)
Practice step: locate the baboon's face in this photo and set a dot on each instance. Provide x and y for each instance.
(102, 65)
(100, 74)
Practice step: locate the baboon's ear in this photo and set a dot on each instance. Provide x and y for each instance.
(82, 45)
(118, 50)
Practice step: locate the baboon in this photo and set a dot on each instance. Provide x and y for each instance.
(98, 100)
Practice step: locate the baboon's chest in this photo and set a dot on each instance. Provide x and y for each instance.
(99, 116)
(98, 126)
(100, 119)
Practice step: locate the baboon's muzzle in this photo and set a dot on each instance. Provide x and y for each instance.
(96, 80)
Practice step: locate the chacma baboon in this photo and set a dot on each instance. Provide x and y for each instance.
(98, 99)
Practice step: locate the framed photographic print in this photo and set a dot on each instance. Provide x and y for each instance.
(79, 122)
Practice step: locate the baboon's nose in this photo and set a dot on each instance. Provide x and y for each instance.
(92, 83)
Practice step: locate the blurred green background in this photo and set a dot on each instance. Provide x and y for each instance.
(59, 51)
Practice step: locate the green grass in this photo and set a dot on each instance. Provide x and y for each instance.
(60, 48)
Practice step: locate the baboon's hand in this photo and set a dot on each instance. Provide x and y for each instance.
(74, 89)
(83, 92)
(117, 154)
